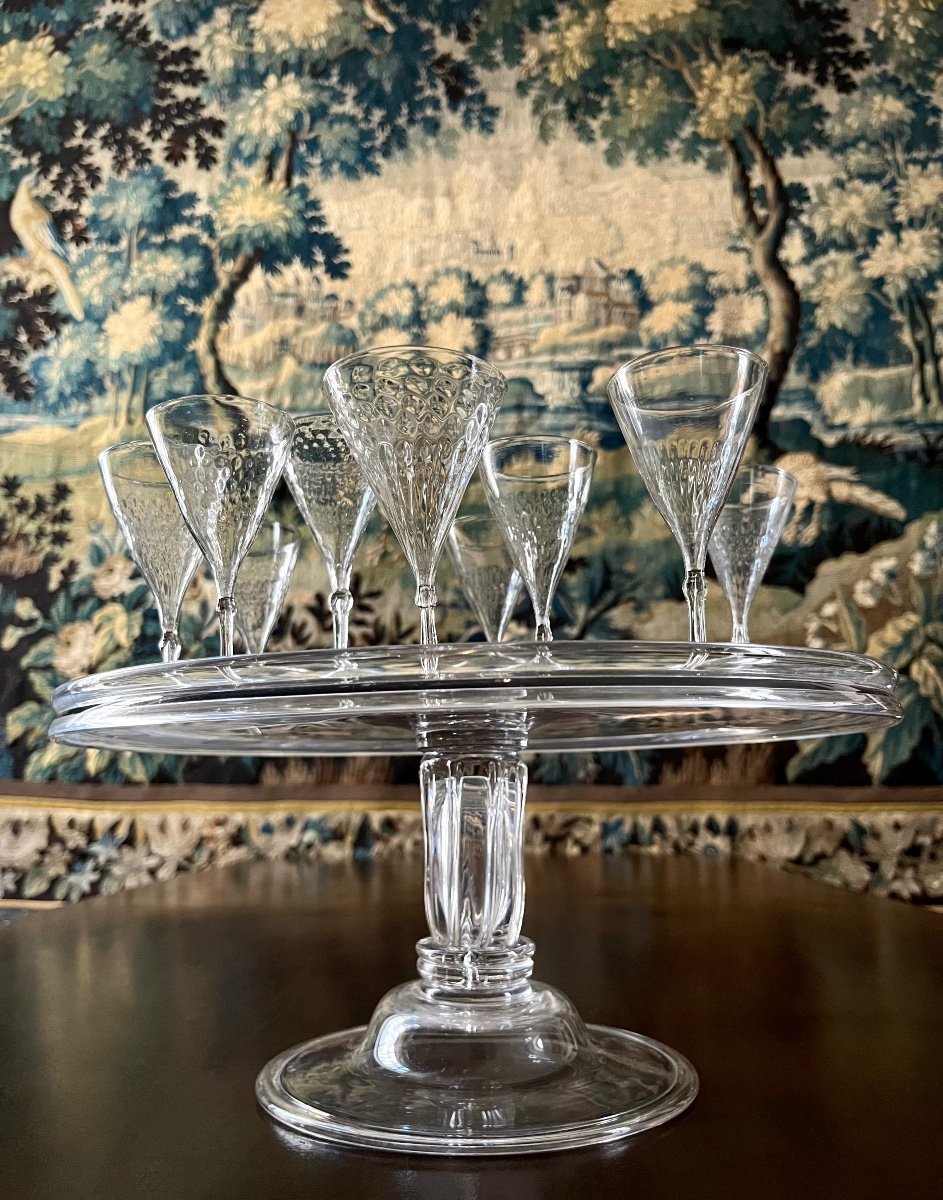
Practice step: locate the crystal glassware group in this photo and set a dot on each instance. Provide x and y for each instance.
(407, 426)
(473, 1057)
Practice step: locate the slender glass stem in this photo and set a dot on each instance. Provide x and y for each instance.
(426, 600)
(341, 603)
(740, 635)
(170, 645)
(695, 592)
(249, 644)
(226, 609)
(543, 628)
(473, 809)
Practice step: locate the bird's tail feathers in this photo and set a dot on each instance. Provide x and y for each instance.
(869, 498)
(67, 289)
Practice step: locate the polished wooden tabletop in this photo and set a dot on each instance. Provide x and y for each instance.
(132, 1029)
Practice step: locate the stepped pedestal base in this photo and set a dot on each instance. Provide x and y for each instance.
(498, 1075)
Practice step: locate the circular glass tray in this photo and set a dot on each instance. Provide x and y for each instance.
(577, 696)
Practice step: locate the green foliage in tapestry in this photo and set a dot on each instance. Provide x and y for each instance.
(877, 232)
(895, 614)
(732, 85)
(143, 274)
(87, 87)
(95, 620)
(310, 92)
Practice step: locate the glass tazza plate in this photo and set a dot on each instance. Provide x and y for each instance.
(577, 696)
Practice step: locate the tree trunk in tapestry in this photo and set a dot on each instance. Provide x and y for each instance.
(764, 234)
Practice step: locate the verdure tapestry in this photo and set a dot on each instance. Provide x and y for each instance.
(226, 197)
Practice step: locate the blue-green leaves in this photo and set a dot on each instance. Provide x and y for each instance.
(253, 215)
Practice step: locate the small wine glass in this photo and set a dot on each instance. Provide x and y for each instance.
(537, 488)
(224, 456)
(154, 529)
(490, 581)
(746, 534)
(686, 414)
(336, 503)
(262, 582)
(416, 419)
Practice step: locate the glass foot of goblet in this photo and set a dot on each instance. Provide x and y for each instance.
(557, 1084)
(474, 1057)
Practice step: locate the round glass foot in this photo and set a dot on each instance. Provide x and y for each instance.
(614, 1084)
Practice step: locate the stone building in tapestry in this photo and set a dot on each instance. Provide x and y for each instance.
(596, 297)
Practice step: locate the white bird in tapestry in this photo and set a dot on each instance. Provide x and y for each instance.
(33, 225)
(819, 482)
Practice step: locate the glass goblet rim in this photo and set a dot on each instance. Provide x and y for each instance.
(619, 380)
(275, 416)
(369, 352)
(288, 536)
(752, 505)
(498, 444)
(483, 519)
(790, 483)
(315, 416)
(768, 469)
(137, 446)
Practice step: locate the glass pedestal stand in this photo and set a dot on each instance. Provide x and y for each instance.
(475, 1057)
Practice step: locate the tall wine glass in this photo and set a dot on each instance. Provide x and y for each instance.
(489, 579)
(223, 456)
(686, 414)
(537, 488)
(154, 529)
(262, 583)
(746, 534)
(416, 419)
(335, 501)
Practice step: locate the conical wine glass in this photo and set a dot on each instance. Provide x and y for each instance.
(537, 488)
(262, 582)
(223, 456)
(746, 534)
(335, 501)
(154, 529)
(686, 415)
(416, 419)
(490, 581)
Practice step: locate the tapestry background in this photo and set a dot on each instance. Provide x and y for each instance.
(227, 196)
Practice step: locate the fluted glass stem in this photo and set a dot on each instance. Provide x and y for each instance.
(341, 603)
(226, 609)
(695, 593)
(170, 646)
(473, 807)
(740, 635)
(426, 600)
